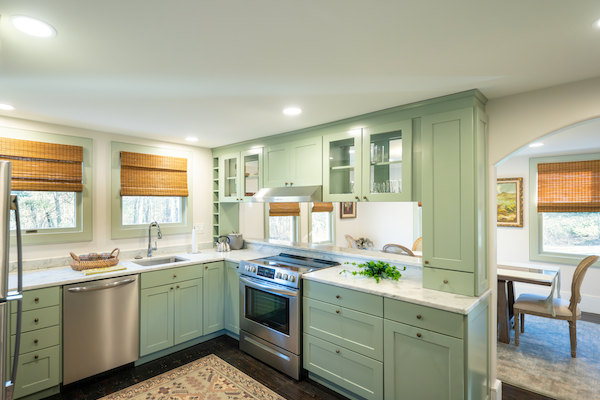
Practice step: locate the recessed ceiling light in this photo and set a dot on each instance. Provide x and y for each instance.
(6, 107)
(596, 24)
(536, 144)
(32, 26)
(191, 139)
(292, 111)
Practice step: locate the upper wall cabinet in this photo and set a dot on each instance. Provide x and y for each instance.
(454, 176)
(240, 175)
(294, 163)
(372, 164)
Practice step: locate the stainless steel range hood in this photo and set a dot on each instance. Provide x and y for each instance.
(292, 194)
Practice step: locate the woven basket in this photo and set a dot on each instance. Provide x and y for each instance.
(79, 265)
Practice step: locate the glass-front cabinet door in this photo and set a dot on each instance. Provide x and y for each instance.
(251, 173)
(228, 178)
(387, 162)
(342, 166)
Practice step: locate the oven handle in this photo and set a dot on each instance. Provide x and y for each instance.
(270, 288)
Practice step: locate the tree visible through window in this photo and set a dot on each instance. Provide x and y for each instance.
(145, 209)
(282, 228)
(571, 233)
(45, 210)
(321, 227)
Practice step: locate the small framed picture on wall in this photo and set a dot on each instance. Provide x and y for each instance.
(347, 209)
(510, 202)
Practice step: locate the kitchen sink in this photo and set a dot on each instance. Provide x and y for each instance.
(152, 262)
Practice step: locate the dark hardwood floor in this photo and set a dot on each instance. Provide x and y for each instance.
(227, 349)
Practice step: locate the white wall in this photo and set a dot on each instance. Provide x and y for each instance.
(101, 242)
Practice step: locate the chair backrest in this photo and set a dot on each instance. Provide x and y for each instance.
(417, 244)
(578, 279)
(351, 241)
(398, 249)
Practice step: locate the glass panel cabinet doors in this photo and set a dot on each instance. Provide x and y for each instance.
(240, 175)
(342, 162)
(387, 162)
(228, 177)
(251, 173)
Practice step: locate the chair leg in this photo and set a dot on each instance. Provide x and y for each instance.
(573, 335)
(517, 315)
(522, 323)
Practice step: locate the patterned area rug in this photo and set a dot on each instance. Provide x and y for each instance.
(543, 364)
(209, 378)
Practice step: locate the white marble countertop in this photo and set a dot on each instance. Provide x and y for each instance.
(408, 288)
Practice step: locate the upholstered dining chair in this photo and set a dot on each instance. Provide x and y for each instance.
(417, 244)
(569, 311)
(351, 242)
(397, 249)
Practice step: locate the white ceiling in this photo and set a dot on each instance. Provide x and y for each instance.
(224, 70)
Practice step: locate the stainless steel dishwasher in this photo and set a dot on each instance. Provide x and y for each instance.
(101, 326)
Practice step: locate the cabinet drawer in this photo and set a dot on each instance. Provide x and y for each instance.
(355, 300)
(352, 371)
(36, 319)
(36, 340)
(432, 319)
(171, 275)
(354, 330)
(449, 281)
(39, 298)
(38, 370)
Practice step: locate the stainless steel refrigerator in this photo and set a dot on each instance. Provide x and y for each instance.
(8, 204)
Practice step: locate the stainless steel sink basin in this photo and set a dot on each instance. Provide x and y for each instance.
(152, 262)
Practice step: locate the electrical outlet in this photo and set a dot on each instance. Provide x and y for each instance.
(199, 227)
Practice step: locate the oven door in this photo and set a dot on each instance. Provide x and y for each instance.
(270, 312)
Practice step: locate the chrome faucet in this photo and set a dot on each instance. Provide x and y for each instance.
(158, 234)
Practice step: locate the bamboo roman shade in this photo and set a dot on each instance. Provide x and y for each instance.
(43, 167)
(284, 209)
(152, 175)
(569, 187)
(322, 207)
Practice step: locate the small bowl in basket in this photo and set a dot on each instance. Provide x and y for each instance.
(79, 265)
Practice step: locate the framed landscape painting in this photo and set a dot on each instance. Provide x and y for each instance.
(510, 202)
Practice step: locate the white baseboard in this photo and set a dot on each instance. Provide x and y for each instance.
(496, 391)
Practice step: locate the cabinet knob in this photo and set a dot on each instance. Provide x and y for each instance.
(238, 267)
(337, 311)
(177, 286)
(365, 197)
(356, 197)
(35, 341)
(286, 184)
(171, 288)
(337, 351)
(418, 335)
(36, 357)
(36, 320)
(446, 281)
(426, 262)
(206, 267)
(418, 316)
(37, 299)
(174, 276)
(291, 183)
(337, 296)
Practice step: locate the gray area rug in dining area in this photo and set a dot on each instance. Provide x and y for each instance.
(542, 362)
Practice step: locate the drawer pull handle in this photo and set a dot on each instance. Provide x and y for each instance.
(177, 286)
(446, 281)
(171, 288)
(36, 357)
(35, 341)
(206, 267)
(418, 316)
(174, 276)
(238, 267)
(337, 296)
(337, 311)
(337, 351)
(426, 262)
(37, 299)
(36, 320)
(418, 335)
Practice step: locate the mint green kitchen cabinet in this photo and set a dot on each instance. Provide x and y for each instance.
(453, 198)
(157, 319)
(232, 297)
(296, 163)
(421, 364)
(188, 310)
(40, 352)
(342, 166)
(229, 178)
(240, 175)
(214, 297)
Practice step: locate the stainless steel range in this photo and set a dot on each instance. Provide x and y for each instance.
(271, 309)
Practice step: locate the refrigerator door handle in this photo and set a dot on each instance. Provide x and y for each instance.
(10, 385)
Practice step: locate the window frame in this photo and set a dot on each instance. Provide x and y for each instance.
(536, 219)
(120, 231)
(296, 225)
(83, 231)
(331, 220)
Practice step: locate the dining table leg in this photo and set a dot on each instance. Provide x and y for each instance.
(503, 310)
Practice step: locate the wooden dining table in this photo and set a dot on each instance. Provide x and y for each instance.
(507, 275)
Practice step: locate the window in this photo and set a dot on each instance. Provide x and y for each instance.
(321, 223)
(51, 176)
(149, 184)
(565, 208)
(283, 221)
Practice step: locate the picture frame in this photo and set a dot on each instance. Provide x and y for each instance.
(509, 202)
(347, 209)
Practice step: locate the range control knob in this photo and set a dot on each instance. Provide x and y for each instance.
(253, 269)
(247, 268)
(291, 278)
(278, 275)
(285, 277)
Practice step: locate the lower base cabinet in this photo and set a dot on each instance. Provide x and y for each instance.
(214, 297)
(37, 371)
(232, 297)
